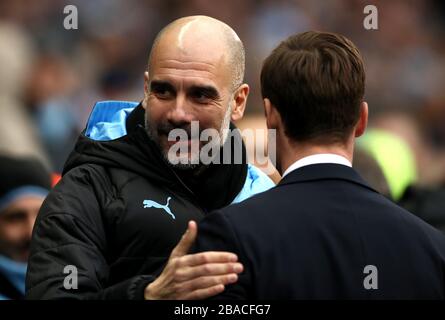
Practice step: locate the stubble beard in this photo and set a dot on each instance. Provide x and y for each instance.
(193, 162)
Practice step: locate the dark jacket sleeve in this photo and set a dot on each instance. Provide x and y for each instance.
(69, 235)
(216, 233)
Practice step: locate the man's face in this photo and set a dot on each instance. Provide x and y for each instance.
(16, 223)
(185, 86)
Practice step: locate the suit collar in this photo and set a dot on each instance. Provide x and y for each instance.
(317, 158)
(324, 171)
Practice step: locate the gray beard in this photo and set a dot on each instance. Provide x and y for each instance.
(155, 138)
(153, 134)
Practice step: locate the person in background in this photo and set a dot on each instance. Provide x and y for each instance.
(388, 162)
(370, 170)
(395, 158)
(24, 184)
(426, 202)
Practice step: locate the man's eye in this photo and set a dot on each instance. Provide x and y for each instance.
(162, 93)
(201, 97)
(14, 217)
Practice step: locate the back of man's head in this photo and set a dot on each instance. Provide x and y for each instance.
(316, 81)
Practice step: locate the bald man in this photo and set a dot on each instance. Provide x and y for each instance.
(110, 228)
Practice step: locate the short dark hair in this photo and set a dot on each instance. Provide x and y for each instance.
(316, 80)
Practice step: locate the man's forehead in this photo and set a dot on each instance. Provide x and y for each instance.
(197, 54)
(196, 47)
(191, 66)
(28, 201)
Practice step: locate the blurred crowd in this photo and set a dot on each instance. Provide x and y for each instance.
(51, 77)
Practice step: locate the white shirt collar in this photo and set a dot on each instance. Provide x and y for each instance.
(316, 159)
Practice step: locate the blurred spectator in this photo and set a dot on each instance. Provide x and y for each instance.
(51, 77)
(17, 131)
(370, 171)
(427, 203)
(386, 155)
(394, 157)
(24, 184)
(404, 126)
(50, 85)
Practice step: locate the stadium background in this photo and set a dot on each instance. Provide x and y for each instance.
(51, 77)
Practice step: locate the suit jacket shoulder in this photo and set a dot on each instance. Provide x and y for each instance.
(314, 234)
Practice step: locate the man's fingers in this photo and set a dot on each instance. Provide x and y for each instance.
(201, 275)
(210, 269)
(204, 293)
(203, 283)
(206, 257)
(186, 241)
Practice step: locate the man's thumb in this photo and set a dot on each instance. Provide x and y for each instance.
(186, 241)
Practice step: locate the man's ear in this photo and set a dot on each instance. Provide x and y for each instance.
(362, 121)
(240, 98)
(272, 116)
(146, 81)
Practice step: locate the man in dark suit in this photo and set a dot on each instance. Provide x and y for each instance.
(322, 232)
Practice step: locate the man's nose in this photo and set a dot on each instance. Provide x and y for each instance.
(180, 112)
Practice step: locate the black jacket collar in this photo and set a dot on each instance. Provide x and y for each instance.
(218, 185)
(324, 171)
(215, 188)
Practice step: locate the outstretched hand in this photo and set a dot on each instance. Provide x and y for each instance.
(194, 276)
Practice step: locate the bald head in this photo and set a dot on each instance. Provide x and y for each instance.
(192, 36)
